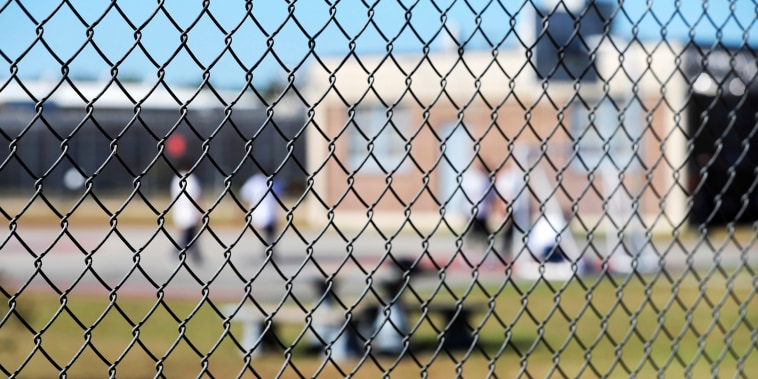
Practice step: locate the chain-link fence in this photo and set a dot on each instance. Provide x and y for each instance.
(469, 188)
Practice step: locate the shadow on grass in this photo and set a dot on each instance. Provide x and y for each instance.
(14, 319)
(429, 346)
(489, 347)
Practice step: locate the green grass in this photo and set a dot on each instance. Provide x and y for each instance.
(674, 327)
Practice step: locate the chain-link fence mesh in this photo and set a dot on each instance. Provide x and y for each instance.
(423, 188)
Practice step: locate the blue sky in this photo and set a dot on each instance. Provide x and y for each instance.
(275, 41)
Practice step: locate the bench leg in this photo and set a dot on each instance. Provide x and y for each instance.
(390, 331)
(254, 338)
(341, 346)
(251, 333)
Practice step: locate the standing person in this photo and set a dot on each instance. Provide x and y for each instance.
(513, 205)
(260, 196)
(187, 211)
(476, 188)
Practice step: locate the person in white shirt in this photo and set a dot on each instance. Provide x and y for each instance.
(187, 212)
(513, 194)
(547, 258)
(545, 235)
(477, 189)
(259, 194)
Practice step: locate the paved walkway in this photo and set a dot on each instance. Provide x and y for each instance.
(141, 259)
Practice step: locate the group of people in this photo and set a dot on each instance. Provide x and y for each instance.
(503, 200)
(259, 193)
(504, 197)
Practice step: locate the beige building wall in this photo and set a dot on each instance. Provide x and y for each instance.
(506, 111)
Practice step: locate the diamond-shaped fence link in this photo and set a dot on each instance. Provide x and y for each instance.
(421, 188)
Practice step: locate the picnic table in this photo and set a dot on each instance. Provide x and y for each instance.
(382, 323)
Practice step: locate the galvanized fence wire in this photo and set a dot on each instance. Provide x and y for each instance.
(320, 189)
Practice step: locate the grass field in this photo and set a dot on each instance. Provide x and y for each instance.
(672, 326)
